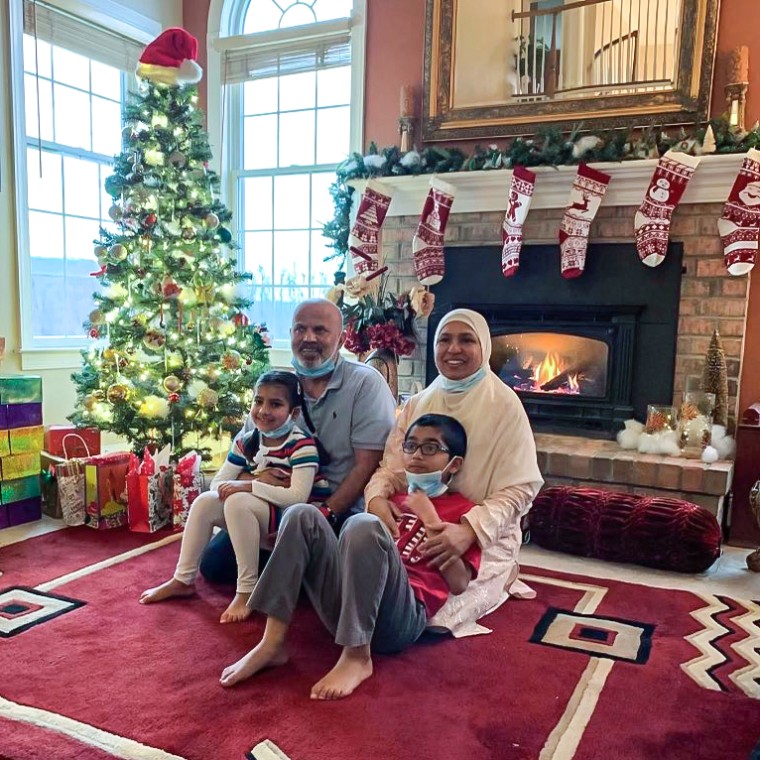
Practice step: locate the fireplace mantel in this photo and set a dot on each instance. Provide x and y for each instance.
(481, 191)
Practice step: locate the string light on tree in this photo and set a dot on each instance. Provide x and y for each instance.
(168, 306)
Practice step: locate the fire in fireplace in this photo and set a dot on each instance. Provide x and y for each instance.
(547, 362)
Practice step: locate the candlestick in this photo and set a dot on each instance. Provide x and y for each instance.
(407, 102)
(738, 65)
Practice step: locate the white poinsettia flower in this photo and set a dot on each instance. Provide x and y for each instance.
(335, 294)
(357, 286)
(421, 301)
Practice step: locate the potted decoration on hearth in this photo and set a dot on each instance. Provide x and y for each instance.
(174, 356)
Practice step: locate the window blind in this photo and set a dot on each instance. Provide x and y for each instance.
(80, 36)
(320, 49)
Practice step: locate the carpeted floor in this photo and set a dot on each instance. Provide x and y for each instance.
(590, 669)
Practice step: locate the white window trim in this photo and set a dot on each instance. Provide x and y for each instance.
(113, 16)
(224, 21)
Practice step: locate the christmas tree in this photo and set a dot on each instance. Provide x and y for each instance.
(715, 379)
(173, 356)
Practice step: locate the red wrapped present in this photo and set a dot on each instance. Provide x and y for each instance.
(71, 442)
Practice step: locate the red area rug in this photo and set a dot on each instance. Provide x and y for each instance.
(589, 669)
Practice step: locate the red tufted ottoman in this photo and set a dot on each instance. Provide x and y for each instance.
(668, 534)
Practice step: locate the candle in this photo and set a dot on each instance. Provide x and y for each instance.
(407, 101)
(738, 65)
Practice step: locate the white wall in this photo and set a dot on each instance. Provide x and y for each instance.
(58, 391)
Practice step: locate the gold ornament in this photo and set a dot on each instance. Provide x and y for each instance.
(172, 384)
(115, 213)
(154, 157)
(117, 252)
(101, 254)
(89, 402)
(109, 355)
(97, 317)
(207, 398)
(231, 360)
(212, 221)
(117, 393)
(154, 339)
(204, 293)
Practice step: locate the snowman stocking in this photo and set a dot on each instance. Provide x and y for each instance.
(585, 198)
(427, 244)
(520, 195)
(652, 221)
(740, 223)
(363, 240)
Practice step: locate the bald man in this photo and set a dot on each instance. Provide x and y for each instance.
(351, 407)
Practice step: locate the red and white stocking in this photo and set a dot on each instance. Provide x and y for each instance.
(363, 240)
(427, 244)
(740, 224)
(585, 198)
(520, 196)
(652, 221)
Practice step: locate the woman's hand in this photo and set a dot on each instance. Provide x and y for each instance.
(448, 543)
(387, 511)
(226, 489)
(419, 503)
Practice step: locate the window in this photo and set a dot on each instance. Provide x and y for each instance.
(291, 82)
(68, 117)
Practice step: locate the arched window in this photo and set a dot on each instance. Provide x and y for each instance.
(291, 78)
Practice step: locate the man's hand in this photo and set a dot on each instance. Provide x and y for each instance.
(419, 503)
(448, 544)
(387, 511)
(226, 489)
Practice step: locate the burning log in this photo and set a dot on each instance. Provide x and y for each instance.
(563, 378)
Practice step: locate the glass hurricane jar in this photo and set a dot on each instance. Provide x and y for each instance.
(695, 422)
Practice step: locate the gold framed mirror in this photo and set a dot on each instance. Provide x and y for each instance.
(495, 68)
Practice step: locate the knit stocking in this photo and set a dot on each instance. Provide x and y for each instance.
(520, 196)
(363, 240)
(585, 198)
(740, 224)
(652, 221)
(427, 245)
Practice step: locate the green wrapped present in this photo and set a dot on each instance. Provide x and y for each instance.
(19, 489)
(5, 443)
(27, 440)
(20, 389)
(19, 466)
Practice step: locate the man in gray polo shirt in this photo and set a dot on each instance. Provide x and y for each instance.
(351, 407)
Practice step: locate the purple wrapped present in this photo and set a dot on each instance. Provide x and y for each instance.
(4, 521)
(3, 416)
(24, 415)
(24, 511)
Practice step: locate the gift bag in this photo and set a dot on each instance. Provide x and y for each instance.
(149, 491)
(69, 441)
(69, 476)
(188, 483)
(106, 490)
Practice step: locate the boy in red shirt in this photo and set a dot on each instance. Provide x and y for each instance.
(372, 594)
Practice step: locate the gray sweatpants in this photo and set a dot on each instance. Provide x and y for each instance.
(357, 583)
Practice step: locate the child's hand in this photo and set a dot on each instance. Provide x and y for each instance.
(226, 489)
(420, 505)
(274, 477)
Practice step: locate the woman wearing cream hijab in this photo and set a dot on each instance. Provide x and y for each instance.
(500, 472)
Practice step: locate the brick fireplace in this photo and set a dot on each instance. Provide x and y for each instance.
(709, 298)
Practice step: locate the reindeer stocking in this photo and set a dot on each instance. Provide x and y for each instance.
(585, 198)
(520, 195)
(740, 223)
(363, 240)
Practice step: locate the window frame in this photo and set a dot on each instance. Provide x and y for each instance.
(52, 353)
(225, 113)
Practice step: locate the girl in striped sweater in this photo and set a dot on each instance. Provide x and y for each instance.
(245, 497)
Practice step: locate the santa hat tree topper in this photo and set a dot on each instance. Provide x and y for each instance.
(171, 59)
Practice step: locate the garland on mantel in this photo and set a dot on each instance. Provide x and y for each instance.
(550, 147)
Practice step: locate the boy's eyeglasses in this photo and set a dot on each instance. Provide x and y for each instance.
(428, 448)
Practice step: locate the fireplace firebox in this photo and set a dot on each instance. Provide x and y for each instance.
(583, 355)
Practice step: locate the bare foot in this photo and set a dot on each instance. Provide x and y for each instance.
(352, 668)
(263, 655)
(237, 610)
(166, 590)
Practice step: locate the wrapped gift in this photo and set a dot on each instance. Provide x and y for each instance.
(70, 490)
(70, 442)
(24, 511)
(20, 389)
(19, 466)
(188, 484)
(24, 415)
(3, 416)
(5, 443)
(19, 489)
(149, 491)
(105, 479)
(26, 440)
(5, 521)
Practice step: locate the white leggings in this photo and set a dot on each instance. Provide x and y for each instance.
(246, 519)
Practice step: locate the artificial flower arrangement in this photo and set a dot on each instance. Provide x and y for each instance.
(375, 319)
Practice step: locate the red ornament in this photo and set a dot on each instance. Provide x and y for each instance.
(249, 360)
(150, 220)
(240, 320)
(173, 398)
(170, 289)
(94, 332)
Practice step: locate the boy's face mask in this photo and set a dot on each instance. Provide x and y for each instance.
(432, 483)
